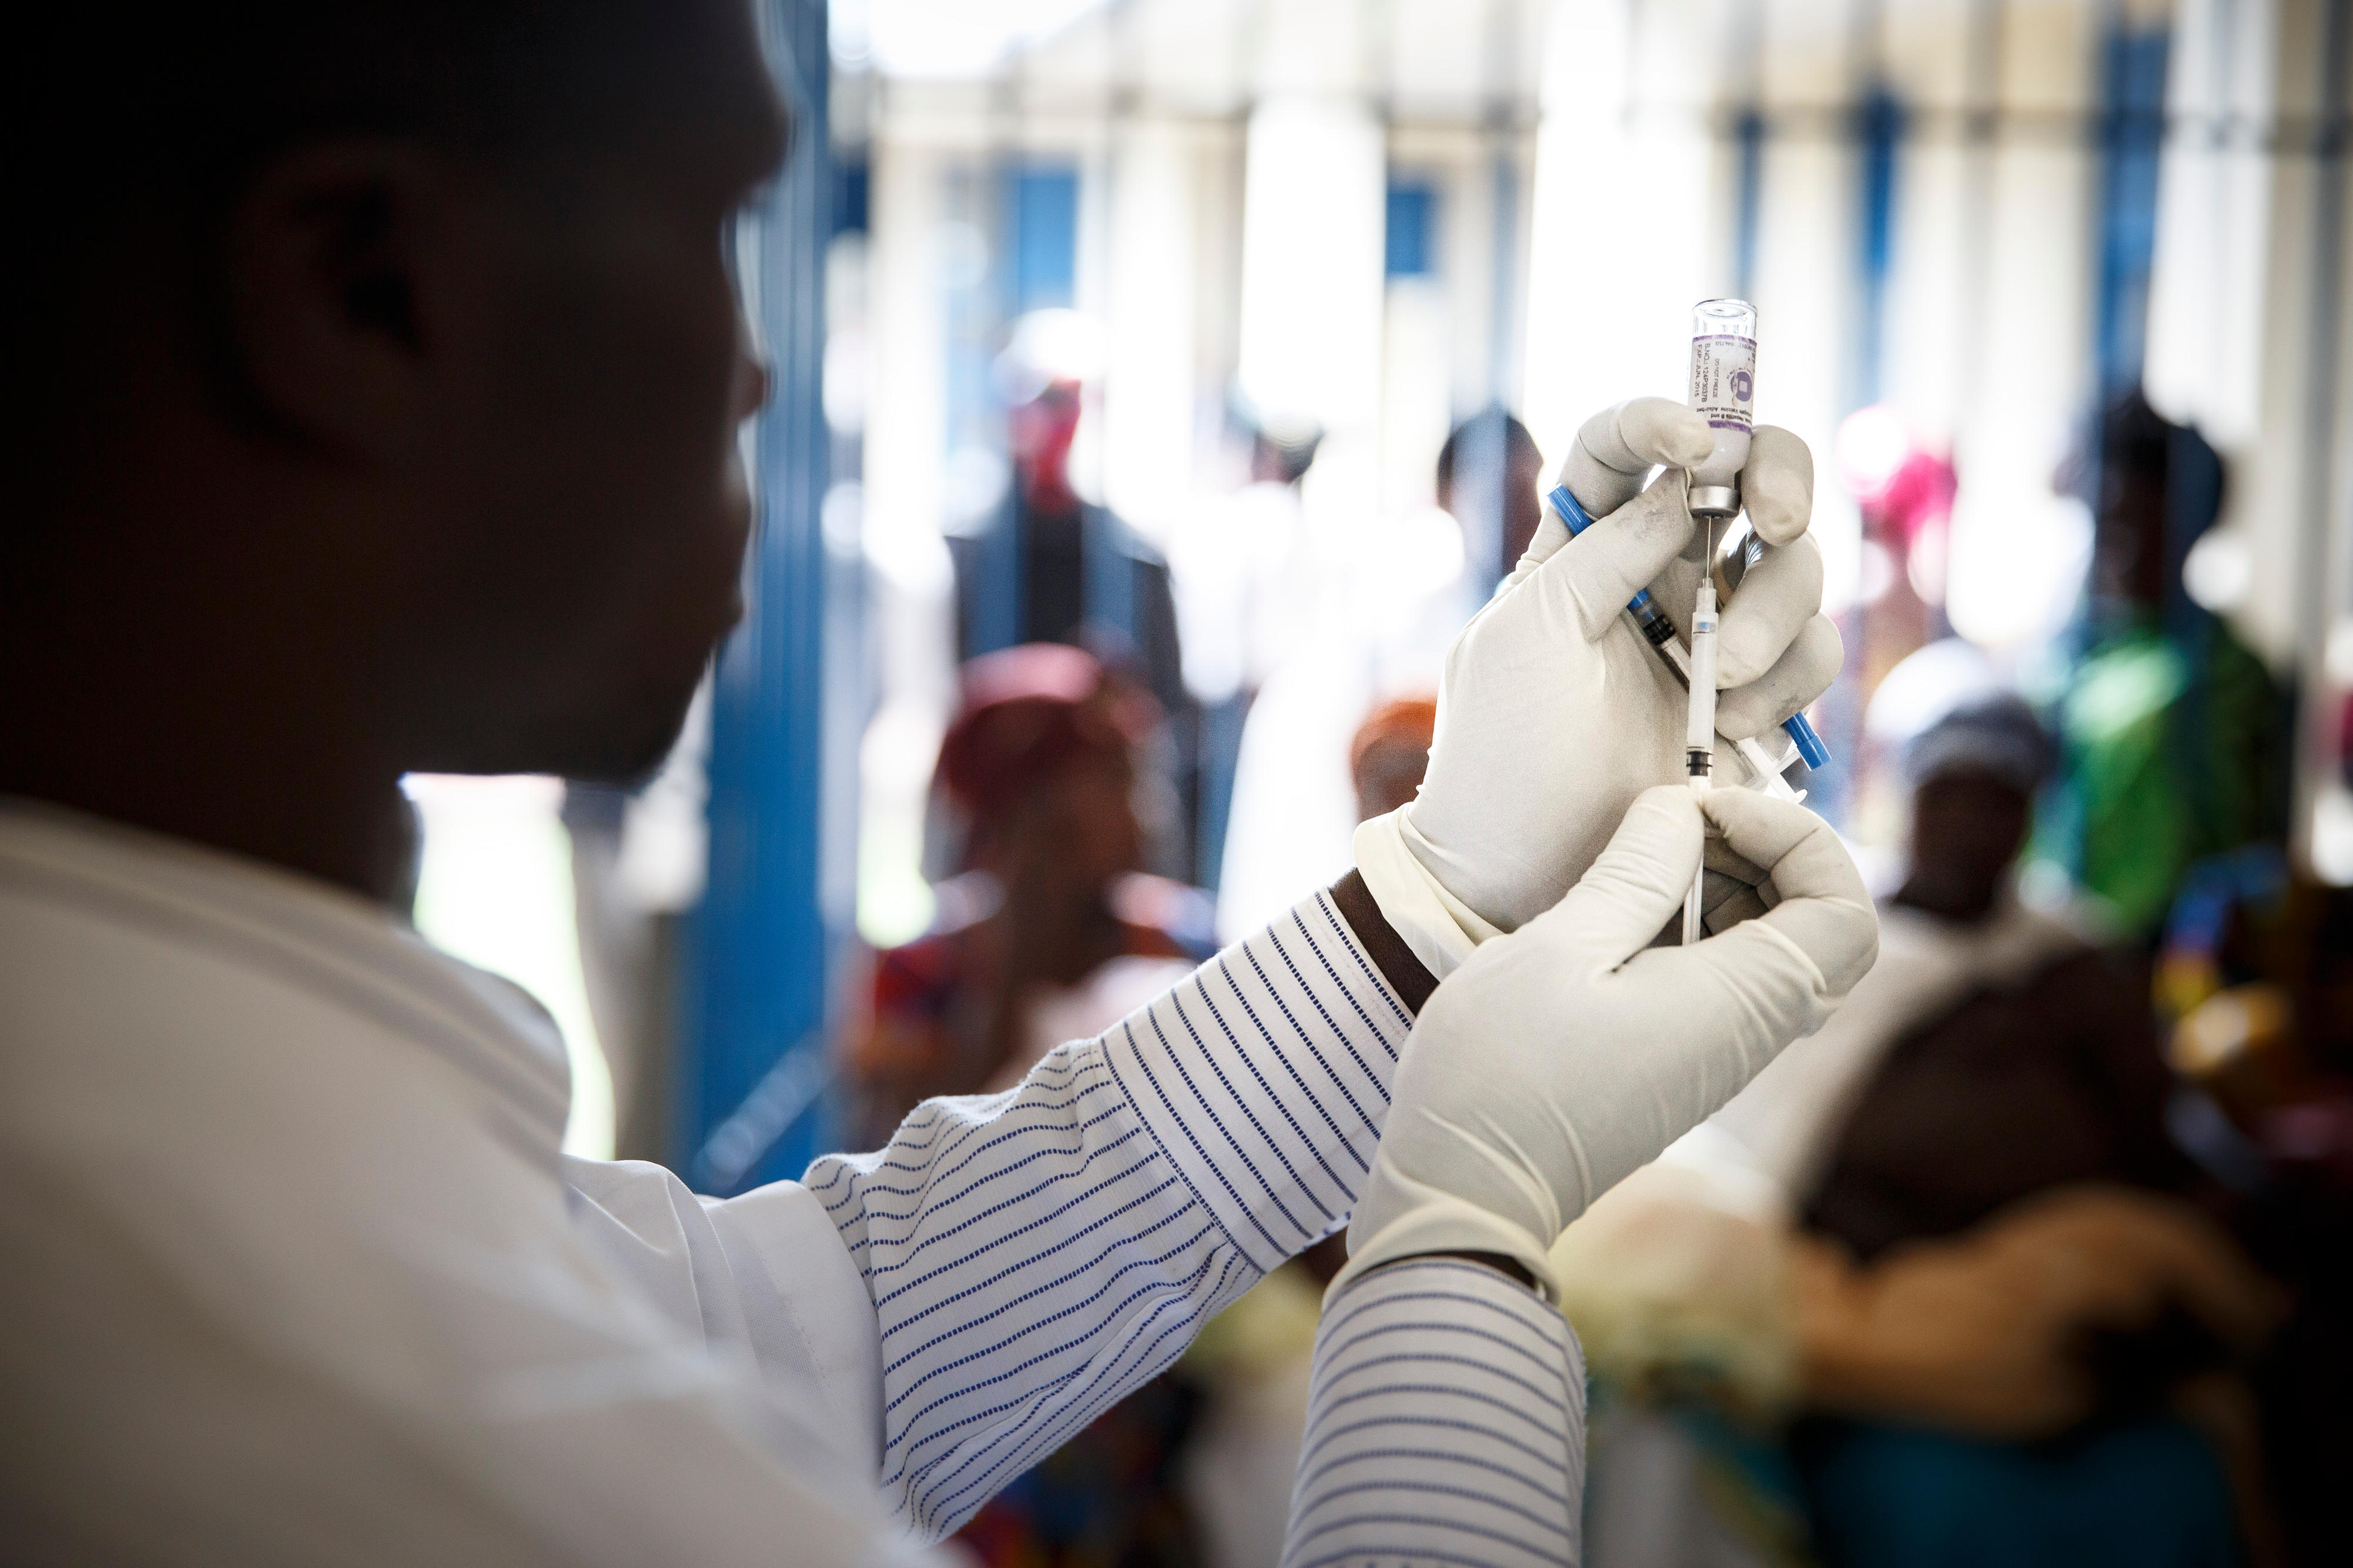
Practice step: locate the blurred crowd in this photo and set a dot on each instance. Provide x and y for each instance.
(2035, 1254)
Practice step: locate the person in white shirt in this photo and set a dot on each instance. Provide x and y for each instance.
(389, 373)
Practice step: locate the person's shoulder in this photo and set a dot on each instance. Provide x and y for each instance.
(1165, 918)
(2090, 986)
(187, 960)
(290, 1073)
(918, 972)
(1125, 537)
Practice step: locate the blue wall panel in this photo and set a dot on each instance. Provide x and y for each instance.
(2132, 137)
(759, 977)
(1409, 244)
(1045, 238)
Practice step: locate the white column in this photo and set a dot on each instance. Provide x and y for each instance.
(1311, 226)
(910, 608)
(2297, 482)
(1610, 282)
(1313, 209)
(2208, 279)
(1314, 191)
(1924, 368)
(906, 401)
(2031, 379)
(1805, 288)
(1148, 390)
(2233, 297)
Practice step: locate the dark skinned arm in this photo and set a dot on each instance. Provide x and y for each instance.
(1413, 984)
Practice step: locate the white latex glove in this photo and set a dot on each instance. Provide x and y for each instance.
(1553, 714)
(1563, 1057)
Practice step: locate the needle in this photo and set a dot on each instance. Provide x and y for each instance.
(1699, 736)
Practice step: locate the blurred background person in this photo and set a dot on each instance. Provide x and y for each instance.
(2005, 1119)
(1241, 572)
(2014, 1056)
(2175, 732)
(1049, 566)
(1391, 753)
(1491, 467)
(1251, 1364)
(1951, 1232)
(1380, 605)
(1050, 931)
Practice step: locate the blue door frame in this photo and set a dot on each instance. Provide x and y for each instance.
(760, 980)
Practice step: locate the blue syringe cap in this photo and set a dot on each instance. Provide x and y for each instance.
(1810, 744)
(1571, 514)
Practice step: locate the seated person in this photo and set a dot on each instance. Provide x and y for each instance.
(1049, 931)
(1252, 1361)
(2018, 1121)
(2028, 1060)
(1966, 1257)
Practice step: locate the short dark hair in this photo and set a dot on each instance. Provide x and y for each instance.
(104, 101)
(137, 124)
(1517, 442)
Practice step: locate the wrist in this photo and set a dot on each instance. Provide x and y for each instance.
(1441, 931)
(1440, 1225)
(1407, 975)
(1509, 1267)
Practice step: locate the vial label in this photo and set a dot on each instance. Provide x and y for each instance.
(1724, 381)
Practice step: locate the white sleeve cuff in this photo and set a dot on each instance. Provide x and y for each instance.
(1441, 931)
(1437, 1223)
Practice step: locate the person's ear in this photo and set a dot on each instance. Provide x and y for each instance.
(341, 266)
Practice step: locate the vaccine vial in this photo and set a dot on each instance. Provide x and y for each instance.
(1723, 392)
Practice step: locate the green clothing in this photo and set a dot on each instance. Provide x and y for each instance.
(2173, 750)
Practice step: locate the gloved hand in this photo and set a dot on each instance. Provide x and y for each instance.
(1564, 1056)
(1553, 714)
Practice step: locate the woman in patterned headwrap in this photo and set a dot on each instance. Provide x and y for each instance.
(1049, 932)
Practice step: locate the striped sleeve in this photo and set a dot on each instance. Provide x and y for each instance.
(1035, 1255)
(1445, 1425)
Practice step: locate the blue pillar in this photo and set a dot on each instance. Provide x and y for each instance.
(1879, 127)
(1749, 130)
(2132, 137)
(759, 972)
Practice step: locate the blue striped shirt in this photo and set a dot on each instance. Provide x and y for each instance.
(1034, 1256)
(271, 1155)
(1445, 1425)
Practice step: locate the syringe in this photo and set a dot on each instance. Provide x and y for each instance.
(1724, 393)
(1699, 732)
(1723, 388)
(1660, 632)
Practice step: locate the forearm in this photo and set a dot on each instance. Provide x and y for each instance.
(1031, 1256)
(1445, 1425)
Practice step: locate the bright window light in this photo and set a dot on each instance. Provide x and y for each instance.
(496, 892)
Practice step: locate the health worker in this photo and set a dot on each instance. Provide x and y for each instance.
(379, 372)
